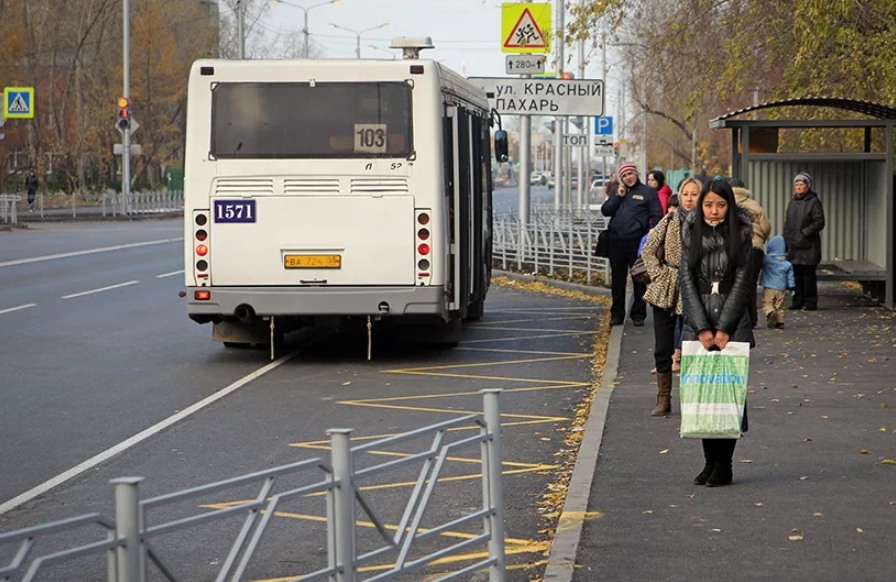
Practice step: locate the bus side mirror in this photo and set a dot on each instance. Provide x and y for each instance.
(501, 147)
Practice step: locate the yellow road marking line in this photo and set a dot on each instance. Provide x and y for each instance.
(450, 411)
(540, 330)
(509, 351)
(528, 337)
(484, 324)
(481, 364)
(452, 394)
(475, 377)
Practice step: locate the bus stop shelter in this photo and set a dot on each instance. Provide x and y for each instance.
(856, 188)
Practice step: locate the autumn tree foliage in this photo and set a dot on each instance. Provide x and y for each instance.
(71, 53)
(688, 61)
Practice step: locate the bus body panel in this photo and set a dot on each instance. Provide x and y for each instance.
(305, 210)
(297, 240)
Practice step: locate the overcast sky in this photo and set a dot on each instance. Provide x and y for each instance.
(466, 33)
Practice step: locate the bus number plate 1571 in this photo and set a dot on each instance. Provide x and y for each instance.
(235, 210)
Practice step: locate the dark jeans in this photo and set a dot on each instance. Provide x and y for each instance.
(623, 255)
(806, 293)
(757, 260)
(678, 325)
(664, 324)
(30, 197)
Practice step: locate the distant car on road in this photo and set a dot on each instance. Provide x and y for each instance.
(538, 178)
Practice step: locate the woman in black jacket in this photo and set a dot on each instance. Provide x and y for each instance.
(802, 228)
(715, 281)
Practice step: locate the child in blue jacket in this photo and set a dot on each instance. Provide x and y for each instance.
(777, 277)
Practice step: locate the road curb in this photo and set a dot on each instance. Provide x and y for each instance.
(587, 289)
(562, 559)
(100, 218)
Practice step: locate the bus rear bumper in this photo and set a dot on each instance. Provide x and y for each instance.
(311, 301)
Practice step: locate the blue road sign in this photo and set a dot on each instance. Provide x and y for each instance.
(603, 126)
(18, 102)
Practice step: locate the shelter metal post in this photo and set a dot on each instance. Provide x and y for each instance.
(735, 157)
(889, 208)
(745, 156)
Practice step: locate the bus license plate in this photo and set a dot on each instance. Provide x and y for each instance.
(235, 210)
(312, 261)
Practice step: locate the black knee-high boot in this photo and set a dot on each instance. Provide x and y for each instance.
(708, 454)
(721, 468)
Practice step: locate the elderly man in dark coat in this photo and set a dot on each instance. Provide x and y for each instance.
(802, 235)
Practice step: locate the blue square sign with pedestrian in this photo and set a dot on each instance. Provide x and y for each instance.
(18, 102)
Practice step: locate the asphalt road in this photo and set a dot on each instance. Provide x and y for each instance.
(96, 347)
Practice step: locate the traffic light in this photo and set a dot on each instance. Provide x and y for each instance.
(124, 114)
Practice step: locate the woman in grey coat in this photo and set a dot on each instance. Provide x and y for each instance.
(715, 280)
(802, 228)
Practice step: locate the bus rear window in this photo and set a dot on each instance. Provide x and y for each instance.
(301, 120)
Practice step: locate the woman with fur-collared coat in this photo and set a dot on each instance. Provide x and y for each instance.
(715, 279)
(663, 292)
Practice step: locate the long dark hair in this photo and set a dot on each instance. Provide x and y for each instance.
(730, 229)
(659, 177)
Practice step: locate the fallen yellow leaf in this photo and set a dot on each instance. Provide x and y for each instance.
(882, 430)
(664, 451)
(818, 514)
(864, 451)
(347, 383)
(648, 512)
(824, 416)
(860, 530)
(888, 462)
(884, 405)
(759, 504)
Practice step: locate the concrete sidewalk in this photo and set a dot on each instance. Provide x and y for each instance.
(814, 492)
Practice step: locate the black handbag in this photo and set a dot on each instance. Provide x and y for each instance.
(602, 246)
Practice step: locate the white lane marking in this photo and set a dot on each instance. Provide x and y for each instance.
(140, 437)
(11, 309)
(171, 274)
(88, 252)
(100, 290)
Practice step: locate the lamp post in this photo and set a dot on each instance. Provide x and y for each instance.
(305, 10)
(358, 34)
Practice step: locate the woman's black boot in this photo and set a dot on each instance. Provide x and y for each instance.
(721, 469)
(708, 454)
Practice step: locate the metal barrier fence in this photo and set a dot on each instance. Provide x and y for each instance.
(552, 243)
(128, 545)
(97, 204)
(8, 212)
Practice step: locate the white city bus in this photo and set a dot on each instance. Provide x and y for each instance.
(320, 190)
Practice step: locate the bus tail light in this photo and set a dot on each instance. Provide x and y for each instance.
(201, 247)
(202, 295)
(423, 242)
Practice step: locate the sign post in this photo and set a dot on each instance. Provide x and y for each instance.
(525, 29)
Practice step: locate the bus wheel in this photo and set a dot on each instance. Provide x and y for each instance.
(475, 310)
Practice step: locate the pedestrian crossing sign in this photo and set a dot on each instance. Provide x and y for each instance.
(18, 102)
(526, 28)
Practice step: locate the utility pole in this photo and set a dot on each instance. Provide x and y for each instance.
(126, 133)
(603, 76)
(240, 25)
(584, 154)
(644, 168)
(305, 32)
(558, 125)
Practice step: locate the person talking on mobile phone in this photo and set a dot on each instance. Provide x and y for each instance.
(634, 208)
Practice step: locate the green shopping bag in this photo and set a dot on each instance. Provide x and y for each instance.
(713, 390)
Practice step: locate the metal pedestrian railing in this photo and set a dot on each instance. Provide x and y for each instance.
(8, 213)
(552, 243)
(129, 549)
(48, 205)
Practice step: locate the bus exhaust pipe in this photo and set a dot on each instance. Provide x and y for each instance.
(245, 314)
